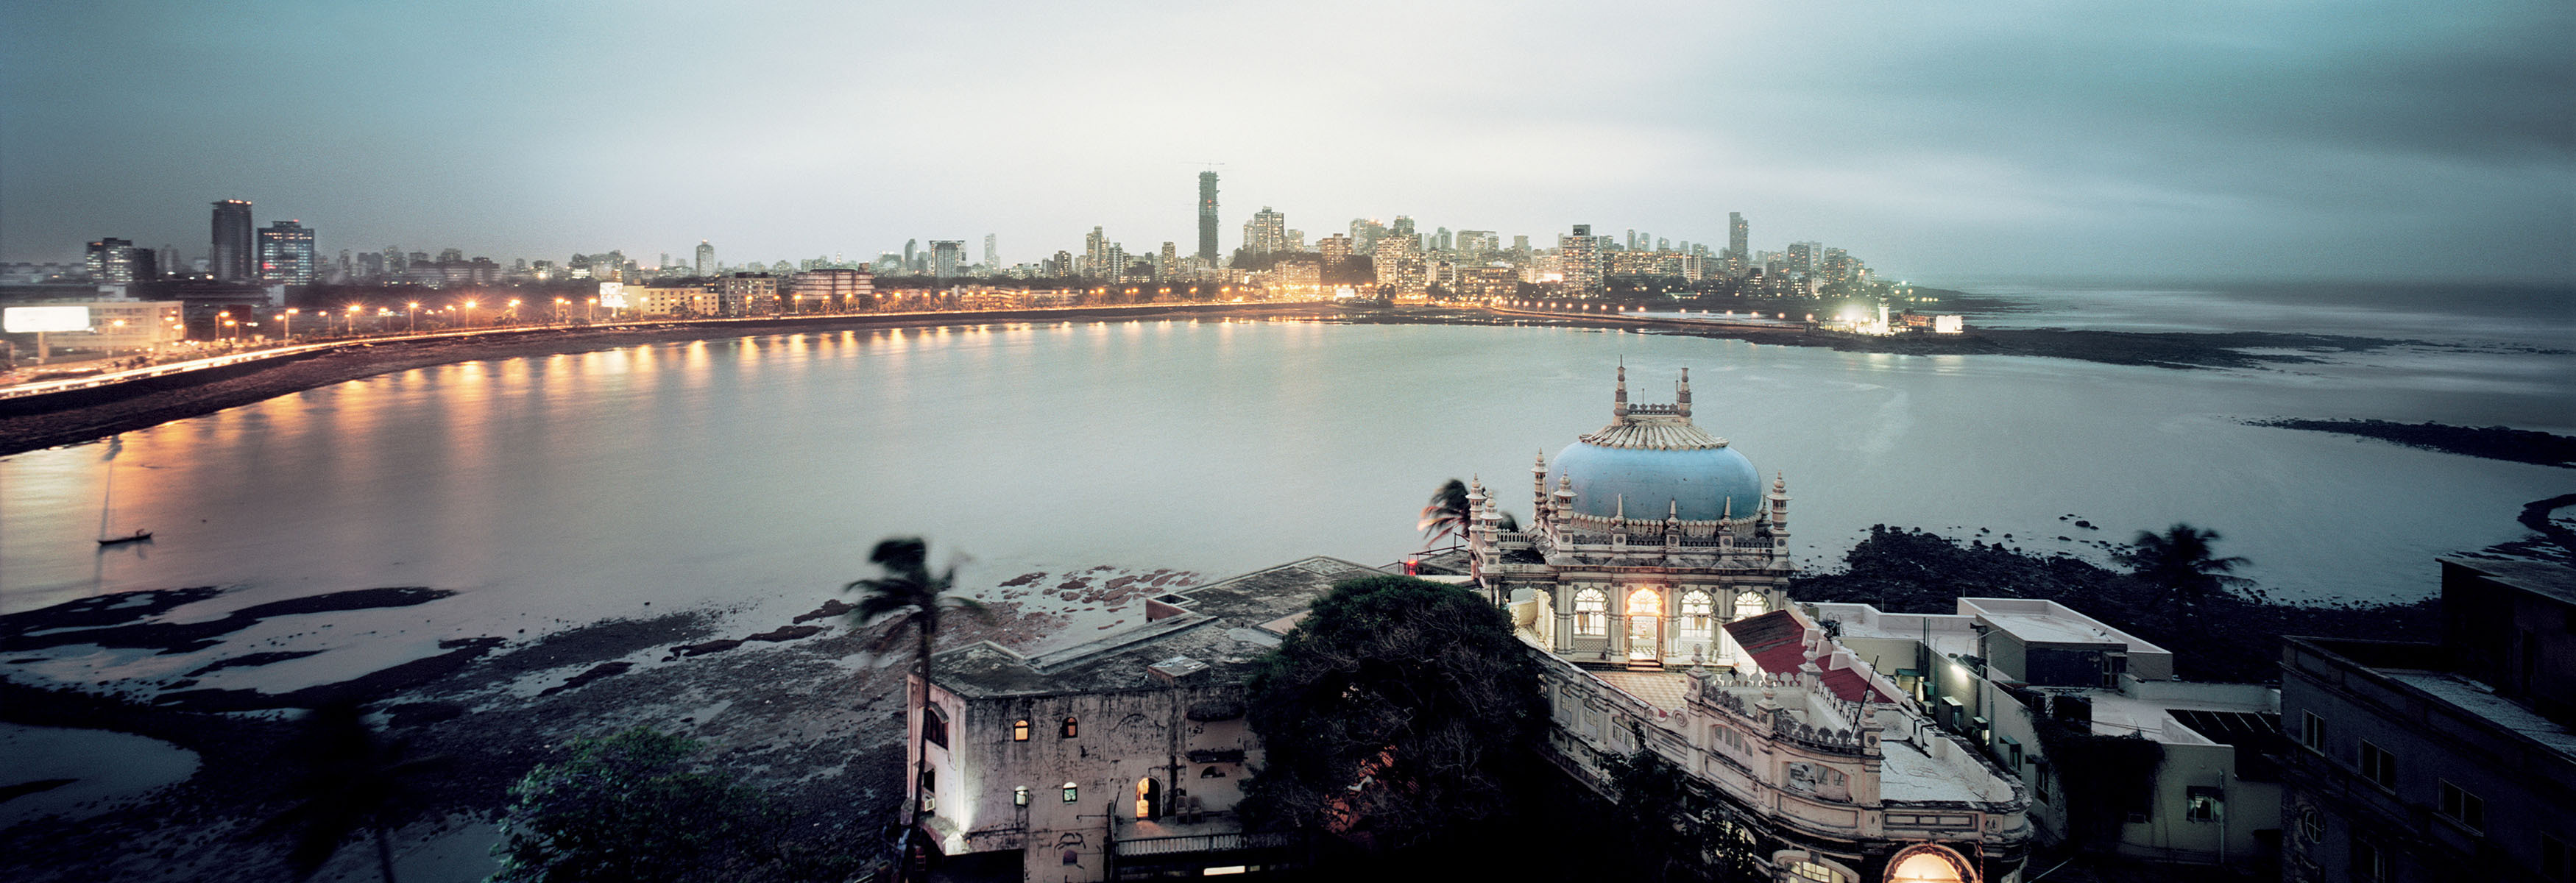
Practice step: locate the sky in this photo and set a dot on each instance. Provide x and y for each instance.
(1937, 140)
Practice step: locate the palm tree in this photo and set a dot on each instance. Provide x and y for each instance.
(1446, 515)
(2182, 562)
(910, 597)
(349, 779)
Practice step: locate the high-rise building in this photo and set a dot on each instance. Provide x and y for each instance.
(1401, 270)
(1095, 255)
(1170, 263)
(113, 261)
(1207, 217)
(1802, 257)
(706, 265)
(1337, 251)
(286, 254)
(946, 256)
(1579, 258)
(1735, 239)
(231, 250)
(1266, 232)
(1364, 235)
(992, 254)
(1441, 241)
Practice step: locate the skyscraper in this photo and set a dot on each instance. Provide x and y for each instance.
(1735, 239)
(1579, 257)
(946, 256)
(1266, 232)
(992, 255)
(707, 258)
(231, 250)
(286, 254)
(1207, 216)
(113, 261)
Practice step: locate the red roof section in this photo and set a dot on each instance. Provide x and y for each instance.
(1776, 641)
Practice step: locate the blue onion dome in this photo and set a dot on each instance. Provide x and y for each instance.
(1651, 461)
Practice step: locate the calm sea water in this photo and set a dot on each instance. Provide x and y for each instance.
(754, 473)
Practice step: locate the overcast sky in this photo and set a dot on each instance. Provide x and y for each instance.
(1941, 141)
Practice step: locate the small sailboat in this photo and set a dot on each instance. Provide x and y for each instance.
(105, 504)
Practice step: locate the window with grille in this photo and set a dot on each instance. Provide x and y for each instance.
(1697, 609)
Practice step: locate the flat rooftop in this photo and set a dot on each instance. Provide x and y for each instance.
(2548, 579)
(1220, 624)
(2479, 699)
(2048, 622)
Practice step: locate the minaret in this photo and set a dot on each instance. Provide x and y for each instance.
(1780, 504)
(1681, 399)
(1619, 400)
(1538, 486)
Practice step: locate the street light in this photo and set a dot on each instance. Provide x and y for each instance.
(411, 316)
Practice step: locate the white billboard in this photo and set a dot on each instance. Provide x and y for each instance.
(23, 320)
(613, 295)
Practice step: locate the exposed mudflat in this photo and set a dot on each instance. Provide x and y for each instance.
(807, 710)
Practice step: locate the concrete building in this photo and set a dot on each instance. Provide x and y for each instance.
(1649, 585)
(1402, 271)
(831, 290)
(2000, 670)
(286, 254)
(1118, 758)
(2448, 761)
(231, 249)
(1266, 232)
(1207, 218)
(113, 261)
(747, 294)
(706, 259)
(947, 258)
(1578, 257)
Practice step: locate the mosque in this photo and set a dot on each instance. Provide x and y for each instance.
(1650, 588)
(1651, 577)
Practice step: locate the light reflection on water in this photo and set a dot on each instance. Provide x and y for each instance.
(758, 471)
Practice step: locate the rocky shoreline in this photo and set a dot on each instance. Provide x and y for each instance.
(2491, 442)
(2154, 349)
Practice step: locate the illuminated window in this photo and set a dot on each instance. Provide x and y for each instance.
(2204, 804)
(1072, 792)
(2464, 807)
(1697, 609)
(1020, 796)
(2379, 766)
(1020, 730)
(1069, 730)
(1590, 607)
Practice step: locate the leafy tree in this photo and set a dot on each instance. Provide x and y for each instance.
(2183, 564)
(1398, 713)
(629, 808)
(348, 779)
(1445, 517)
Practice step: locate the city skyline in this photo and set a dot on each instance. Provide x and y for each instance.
(2227, 140)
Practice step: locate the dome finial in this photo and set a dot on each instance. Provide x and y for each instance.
(1681, 399)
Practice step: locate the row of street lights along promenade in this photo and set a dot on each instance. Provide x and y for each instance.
(1579, 308)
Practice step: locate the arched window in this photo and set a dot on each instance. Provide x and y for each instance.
(1211, 773)
(1069, 730)
(1020, 796)
(1751, 604)
(1816, 872)
(1020, 730)
(1590, 609)
(1072, 792)
(1697, 609)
